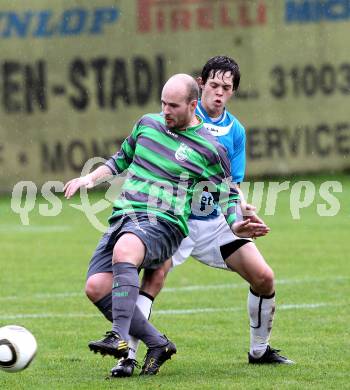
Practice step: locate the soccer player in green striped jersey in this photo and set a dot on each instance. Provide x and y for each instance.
(164, 167)
(167, 158)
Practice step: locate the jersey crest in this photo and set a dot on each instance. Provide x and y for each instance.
(183, 152)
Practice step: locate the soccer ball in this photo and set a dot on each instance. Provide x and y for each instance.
(17, 348)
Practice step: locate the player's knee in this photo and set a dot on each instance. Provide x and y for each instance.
(269, 280)
(93, 289)
(158, 279)
(90, 290)
(153, 282)
(264, 283)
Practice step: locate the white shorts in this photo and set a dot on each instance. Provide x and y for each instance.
(204, 241)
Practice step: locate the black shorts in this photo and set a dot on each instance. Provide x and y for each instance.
(160, 237)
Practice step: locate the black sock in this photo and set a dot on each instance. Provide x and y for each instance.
(145, 331)
(104, 305)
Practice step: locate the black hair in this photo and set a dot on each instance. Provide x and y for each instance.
(221, 64)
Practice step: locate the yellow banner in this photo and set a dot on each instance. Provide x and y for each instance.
(75, 76)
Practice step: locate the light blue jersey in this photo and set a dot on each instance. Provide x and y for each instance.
(229, 132)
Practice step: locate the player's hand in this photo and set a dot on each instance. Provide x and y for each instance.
(247, 228)
(248, 212)
(73, 185)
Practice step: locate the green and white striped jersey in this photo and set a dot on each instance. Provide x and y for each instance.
(167, 168)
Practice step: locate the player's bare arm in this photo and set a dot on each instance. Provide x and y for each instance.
(88, 181)
(248, 210)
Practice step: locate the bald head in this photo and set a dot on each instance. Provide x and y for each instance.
(179, 101)
(183, 85)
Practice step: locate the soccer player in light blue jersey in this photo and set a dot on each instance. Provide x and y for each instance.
(210, 240)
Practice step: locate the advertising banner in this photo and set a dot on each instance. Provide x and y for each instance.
(76, 75)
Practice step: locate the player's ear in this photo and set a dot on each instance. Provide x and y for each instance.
(199, 82)
(194, 104)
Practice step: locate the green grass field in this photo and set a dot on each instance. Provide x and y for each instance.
(42, 275)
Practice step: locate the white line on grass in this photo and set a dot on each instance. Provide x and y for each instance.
(169, 312)
(244, 285)
(204, 287)
(230, 309)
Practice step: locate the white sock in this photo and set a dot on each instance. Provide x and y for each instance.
(261, 312)
(145, 305)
